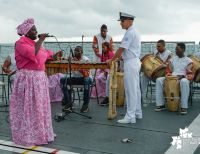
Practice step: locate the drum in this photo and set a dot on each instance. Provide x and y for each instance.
(172, 92)
(195, 68)
(120, 89)
(153, 67)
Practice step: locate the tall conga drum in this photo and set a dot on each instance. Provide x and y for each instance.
(153, 67)
(172, 93)
(195, 68)
(120, 89)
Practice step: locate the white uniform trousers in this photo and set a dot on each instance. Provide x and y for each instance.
(132, 88)
(184, 89)
(144, 80)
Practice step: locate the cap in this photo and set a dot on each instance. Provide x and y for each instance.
(125, 16)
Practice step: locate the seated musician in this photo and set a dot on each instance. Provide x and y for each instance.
(102, 74)
(197, 54)
(9, 66)
(80, 76)
(179, 66)
(161, 53)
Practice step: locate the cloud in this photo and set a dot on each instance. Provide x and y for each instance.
(71, 19)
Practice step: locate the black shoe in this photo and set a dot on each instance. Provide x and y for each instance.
(183, 111)
(160, 108)
(84, 108)
(67, 107)
(105, 102)
(63, 102)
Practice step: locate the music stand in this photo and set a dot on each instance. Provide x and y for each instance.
(59, 117)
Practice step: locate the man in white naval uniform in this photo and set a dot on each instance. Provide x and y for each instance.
(99, 39)
(130, 49)
(164, 55)
(180, 65)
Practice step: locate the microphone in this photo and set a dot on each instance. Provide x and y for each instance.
(47, 35)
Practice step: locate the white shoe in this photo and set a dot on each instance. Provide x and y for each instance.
(138, 116)
(126, 121)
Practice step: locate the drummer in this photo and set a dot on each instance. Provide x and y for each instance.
(161, 53)
(197, 54)
(180, 66)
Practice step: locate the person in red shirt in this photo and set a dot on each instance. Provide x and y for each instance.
(101, 75)
(99, 39)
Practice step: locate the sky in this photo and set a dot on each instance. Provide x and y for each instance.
(69, 20)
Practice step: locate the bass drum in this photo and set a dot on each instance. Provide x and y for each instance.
(153, 67)
(172, 92)
(195, 68)
(120, 89)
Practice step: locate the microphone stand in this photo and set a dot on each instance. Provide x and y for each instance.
(60, 117)
(82, 42)
(102, 56)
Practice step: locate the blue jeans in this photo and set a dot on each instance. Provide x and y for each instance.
(65, 82)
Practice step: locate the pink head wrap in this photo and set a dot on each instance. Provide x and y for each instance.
(23, 28)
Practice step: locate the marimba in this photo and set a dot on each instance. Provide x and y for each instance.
(53, 67)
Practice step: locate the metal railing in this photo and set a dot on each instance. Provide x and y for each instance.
(147, 47)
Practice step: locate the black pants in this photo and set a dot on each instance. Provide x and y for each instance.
(65, 82)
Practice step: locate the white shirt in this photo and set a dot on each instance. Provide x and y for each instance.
(163, 56)
(131, 43)
(101, 40)
(13, 62)
(197, 55)
(77, 73)
(179, 65)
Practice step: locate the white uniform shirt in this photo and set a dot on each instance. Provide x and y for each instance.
(163, 56)
(131, 43)
(77, 73)
(179, 65)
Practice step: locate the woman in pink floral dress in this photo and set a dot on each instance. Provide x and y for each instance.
(101, 74)
(30, 110)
